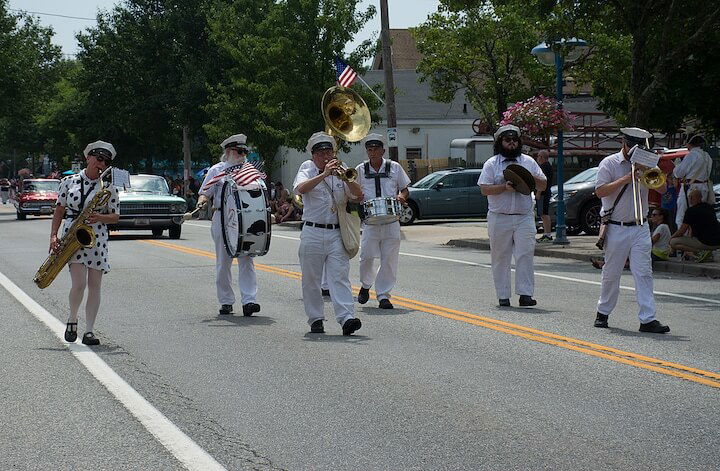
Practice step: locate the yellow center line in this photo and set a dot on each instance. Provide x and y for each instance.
(707, 378)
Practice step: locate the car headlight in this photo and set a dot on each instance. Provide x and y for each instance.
(569, 194)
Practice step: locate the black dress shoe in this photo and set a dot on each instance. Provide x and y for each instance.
(527, 301)
(71, 331)
(250, 308)
(385, 304)
(226, 309)
(350, 326)
(317, 327)
(504, 303)
(654, 327)
(601, 321)
(90, 339)
(363, 295)
(325, 292)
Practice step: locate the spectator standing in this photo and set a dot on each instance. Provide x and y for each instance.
(4, 190)
(542, 198)
(700, 219)
(669, 200)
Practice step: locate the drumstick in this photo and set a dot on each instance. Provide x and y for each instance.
(191, 214)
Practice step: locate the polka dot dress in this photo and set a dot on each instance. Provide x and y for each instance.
(70, 196)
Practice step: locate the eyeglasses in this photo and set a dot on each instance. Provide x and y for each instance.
(656, 214)
(510, 139)
(100, 157)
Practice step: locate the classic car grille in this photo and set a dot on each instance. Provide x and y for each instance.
(127, 209)
(37, 204)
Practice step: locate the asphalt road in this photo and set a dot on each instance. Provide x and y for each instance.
(445, 381)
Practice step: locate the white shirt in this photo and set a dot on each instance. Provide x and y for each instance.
(389, 187)
(663, 243)
(317, 203)
(214, 193)
(612, 168)
(696, 165)
(508, 202)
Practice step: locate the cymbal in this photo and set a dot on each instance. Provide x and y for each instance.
(521, 178)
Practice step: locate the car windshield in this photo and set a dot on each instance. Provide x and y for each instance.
(148, 184)
(42, 186)
(428, 181)
(584, 176)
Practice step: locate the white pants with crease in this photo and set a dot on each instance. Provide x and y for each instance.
(512, 236)
(323, 249)
(388, 251)
(622, 242)
(247, 279)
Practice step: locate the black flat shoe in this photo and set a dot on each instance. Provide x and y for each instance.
(363, 295)
(71, 331)
(226, 309)
(350, 326)
(385, 304)
(527, 301)
(504, 303)
(90, 339)
(325, 292)
(250, 308)
(317, 327)
(601, 321)
(654, 327)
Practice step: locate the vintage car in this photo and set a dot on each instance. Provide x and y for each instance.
(36, 197)
(148, 204)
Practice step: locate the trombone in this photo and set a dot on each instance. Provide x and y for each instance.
(652, 178)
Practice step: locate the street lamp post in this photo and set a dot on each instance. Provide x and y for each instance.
(559, 52)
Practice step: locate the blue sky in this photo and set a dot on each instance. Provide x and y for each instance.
(403, 14)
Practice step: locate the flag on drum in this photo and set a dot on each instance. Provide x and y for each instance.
(243, 175)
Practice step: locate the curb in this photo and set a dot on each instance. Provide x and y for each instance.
(668, 267)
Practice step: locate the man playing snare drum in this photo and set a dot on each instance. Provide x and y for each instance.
(380, 178)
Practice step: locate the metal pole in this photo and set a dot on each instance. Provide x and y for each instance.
(388, 69)
(560, 237)
(187, 164)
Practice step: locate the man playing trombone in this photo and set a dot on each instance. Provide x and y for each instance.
(624, 202)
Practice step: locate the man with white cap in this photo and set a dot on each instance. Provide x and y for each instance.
(694, 171)
(235, 150)
(321, 245)
(511, 222)
(623, 236)
(378, 178)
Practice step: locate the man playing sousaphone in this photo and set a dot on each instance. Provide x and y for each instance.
(508, 179)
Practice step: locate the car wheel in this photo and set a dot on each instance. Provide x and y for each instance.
(157, 231)
(590, 218)
(21, 216)
(409, 213)
(175, 231)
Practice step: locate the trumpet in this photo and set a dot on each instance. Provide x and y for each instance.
(346, 174)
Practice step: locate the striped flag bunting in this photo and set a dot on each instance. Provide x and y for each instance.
(243, 174)
(345, 74)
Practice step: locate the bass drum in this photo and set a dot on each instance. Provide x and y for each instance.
(245, 219)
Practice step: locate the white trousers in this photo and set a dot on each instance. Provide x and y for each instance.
(388, 251)
(323, 249)
(512, 236)
(682, 200)
(247, 279)
(5, 195)
(620, 243)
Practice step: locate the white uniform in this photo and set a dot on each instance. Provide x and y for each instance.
(695, 167)
(323, 247)
(511, 227)
(247, 280)
(380, 241)
(622, 242)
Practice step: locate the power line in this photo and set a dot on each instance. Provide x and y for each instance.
(52, 14)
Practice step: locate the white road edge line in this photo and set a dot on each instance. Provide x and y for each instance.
(546, 275)
(182, 447)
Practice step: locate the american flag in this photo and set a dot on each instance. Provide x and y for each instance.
(345, 74)
(242, 174)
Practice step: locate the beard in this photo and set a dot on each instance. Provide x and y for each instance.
(510, 153)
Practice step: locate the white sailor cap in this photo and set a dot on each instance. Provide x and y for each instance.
(319, 141)
(236, 141)
(100, 148)
(374, 140)
(638, 136)
(506, 129)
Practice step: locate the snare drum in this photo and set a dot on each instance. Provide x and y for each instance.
(379, 211)
(245, 218)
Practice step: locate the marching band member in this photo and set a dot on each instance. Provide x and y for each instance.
(382, 178)
(694, 171)
(624, 237)
(320, 241)
(235, 151)
(511, 222)
(86, 266)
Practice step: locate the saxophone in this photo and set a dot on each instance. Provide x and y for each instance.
(80, 235)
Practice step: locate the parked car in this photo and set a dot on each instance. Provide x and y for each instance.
(36, 197)
(582, 206)
(446, 194)
(716, 190)
(148, 204)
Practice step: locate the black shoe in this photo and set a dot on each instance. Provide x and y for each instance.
(601, 321)
(226, 309)
(70, 332)
(385, 304)
(504, 303)
(350, 326)
(654, 327)
(317, 327)
(325, 292)
(250, 308)
(527, 301)
(363, 295)
(90, 339)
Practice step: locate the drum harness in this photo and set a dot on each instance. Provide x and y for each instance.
(377, 176)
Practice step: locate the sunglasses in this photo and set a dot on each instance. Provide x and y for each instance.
(510, 139)
(100, 156)
(656, 214)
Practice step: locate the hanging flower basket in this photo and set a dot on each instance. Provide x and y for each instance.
(538, 118)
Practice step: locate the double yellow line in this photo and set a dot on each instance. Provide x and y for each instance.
(677, 370)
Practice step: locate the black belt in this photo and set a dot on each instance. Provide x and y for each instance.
(619, 223)
(692, 182)
(322, 226)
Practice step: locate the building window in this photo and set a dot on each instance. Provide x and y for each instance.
(413, 153)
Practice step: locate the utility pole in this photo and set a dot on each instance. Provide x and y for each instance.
(186, 161)
(388, 70)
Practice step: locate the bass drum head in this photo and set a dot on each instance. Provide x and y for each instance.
(255, 230)
(230, 217)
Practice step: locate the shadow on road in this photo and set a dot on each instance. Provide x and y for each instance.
(337, 338)
(661, 337)
(238, 321)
